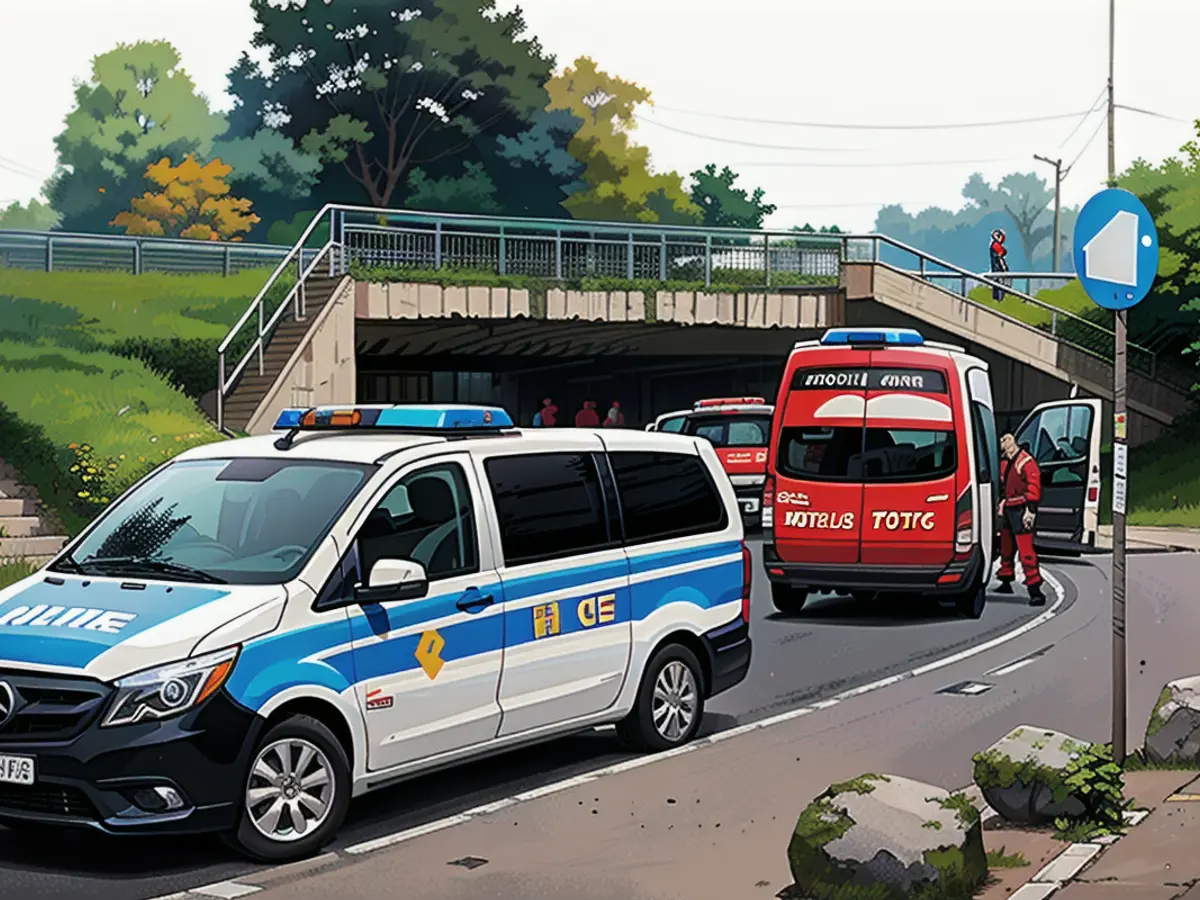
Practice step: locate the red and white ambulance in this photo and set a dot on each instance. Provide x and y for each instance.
(883, 467)
(739, 428)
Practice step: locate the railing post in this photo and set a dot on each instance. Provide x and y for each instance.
(963, 289)
(875, 250)
(137, 257)
(708, 260)
(227, 263)
(260, 338)
(629, 258)
(558, 276)
(921, 266)
(767, 259)
(437, 245)
(220, 390)
(662, 257)
(503, 251)
(1054, 322)
(844, 251)
(49, 254)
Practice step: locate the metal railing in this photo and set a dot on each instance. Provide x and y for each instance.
(58, 251)
(1070, 329)
(1028, 282)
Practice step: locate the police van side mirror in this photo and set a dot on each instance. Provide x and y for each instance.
(393, 579)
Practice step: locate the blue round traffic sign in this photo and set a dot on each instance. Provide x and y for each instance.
(1116, 249)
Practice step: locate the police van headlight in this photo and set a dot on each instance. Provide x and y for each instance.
(169, 690)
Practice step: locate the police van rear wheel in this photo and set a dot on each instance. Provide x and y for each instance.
(670, 702)
(787, 599)
(296, 793)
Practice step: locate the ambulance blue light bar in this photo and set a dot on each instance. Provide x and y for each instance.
(896, 337)
(423, 418)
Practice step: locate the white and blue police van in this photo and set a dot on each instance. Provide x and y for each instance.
(264, 628)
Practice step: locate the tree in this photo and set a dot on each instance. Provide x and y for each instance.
(619, 183)
(376, 90)
(33, 216)
(194, 202)
(270, 168)
(1025, 197)
(724, 205)
(138, 106)
(535, 172)
(473, 192)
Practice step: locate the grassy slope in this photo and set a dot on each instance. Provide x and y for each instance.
(62, 384)
(1164, 480)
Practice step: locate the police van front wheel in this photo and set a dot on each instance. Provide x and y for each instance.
(670, 702)
(296, 793)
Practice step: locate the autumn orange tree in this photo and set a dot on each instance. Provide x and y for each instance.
(192, 202)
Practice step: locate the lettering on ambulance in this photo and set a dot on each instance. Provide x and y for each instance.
(44, 616)
(892, 520)
(792, 498)
(594, 611)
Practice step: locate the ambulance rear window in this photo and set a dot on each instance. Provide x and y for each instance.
(865, 455)
(731, 430)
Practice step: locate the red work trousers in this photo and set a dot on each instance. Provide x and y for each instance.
(1014, 539)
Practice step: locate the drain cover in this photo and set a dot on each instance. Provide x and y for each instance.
(468, 862)
(967, 688)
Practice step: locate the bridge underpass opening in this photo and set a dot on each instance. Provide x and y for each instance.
(649, 368)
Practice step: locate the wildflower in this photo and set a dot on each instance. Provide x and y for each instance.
(91, 470)
(154, 440)
(84, 493)
(141, 459)
(72, 446)
(178, 437)
(112, 466)
(103, 499)
(86, 449)
(122, 456)
(74, 468)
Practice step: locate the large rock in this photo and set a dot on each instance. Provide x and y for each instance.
(1173, 733)
(890, 838)
(1023, 776)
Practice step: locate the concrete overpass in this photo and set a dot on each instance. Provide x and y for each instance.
(651, 316)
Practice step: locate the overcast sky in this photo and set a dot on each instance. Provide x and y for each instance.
(863, 62)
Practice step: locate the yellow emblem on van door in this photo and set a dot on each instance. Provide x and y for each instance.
(545, 620)
(429, 653)
(593, 610)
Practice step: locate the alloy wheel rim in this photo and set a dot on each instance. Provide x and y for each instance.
(674, 705)
(290, 791)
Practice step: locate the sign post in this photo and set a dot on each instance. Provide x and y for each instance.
(1116, 260)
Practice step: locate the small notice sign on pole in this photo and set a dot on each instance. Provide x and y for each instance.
(1119, 429)
(1119, 495)
(1120, 461)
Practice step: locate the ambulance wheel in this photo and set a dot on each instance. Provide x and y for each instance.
(296, 793)
(787, 599)
(970, 605)
(670, 702)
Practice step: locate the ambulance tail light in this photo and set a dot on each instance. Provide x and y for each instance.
(747, 582)
(768, 504)
(964, 525)
(1093, 494)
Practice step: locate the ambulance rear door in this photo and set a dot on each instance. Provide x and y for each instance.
(1064, 437)
(909, 464)
(818, 493)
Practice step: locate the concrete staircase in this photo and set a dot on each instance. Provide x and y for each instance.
(25, 530)
(281, 345)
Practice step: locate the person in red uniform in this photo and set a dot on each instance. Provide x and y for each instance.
(1021, 491)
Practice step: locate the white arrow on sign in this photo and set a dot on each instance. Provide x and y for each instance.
(1112, 254)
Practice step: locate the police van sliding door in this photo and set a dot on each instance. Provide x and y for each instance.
(908, 464)
(818, 498)
(1064, 438)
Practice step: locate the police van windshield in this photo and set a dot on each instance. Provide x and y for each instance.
(865, 454)
(242, 521)
(731, 430)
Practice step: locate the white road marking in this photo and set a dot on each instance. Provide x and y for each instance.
(638, 761)
(1013, 667)
(1067, 864)
(226, 890)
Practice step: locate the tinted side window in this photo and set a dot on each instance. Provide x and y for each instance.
(665, 495)
(985, 432)
(549, 505)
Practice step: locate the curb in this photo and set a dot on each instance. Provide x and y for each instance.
(1064, 867)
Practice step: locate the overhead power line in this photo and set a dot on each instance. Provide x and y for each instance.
(1097, 105)
(1156, 115)
(875, 165)
(11, 165)
(725, 140)
(944, 126)
(1083, 150)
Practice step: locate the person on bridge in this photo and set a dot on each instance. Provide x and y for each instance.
(547, 416)
(615, 418)
(1021, 491)
(998, 253)
(587, 417)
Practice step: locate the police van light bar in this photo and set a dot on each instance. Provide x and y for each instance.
(899, 337)
(729, 401)
(425, 418)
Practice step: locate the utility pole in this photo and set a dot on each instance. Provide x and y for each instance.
(1058, 177)
(1120, 453)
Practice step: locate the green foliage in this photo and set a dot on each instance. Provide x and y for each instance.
(1164, 481)
(619, 184)
(863, 784)
(998, 859)
(1095, 778)
(138, 106)
(472, 192)
(32, 216)
(1026, 198)
(1138, 761)
(961, 804)
(13, 570)
(1156, 722)
(288, 231)
(375, 90)
(724, 205)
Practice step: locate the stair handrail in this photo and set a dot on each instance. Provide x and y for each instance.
(293, 299)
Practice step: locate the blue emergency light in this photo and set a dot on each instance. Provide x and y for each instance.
(422, 418)
(896, 337)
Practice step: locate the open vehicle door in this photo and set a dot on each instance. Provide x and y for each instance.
(1064, 438)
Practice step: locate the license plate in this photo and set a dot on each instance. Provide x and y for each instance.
(17, 769)
(750, 506)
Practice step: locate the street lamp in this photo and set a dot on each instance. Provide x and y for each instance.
(1059, 175)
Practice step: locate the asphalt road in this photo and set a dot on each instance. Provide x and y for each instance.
(834, 646)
